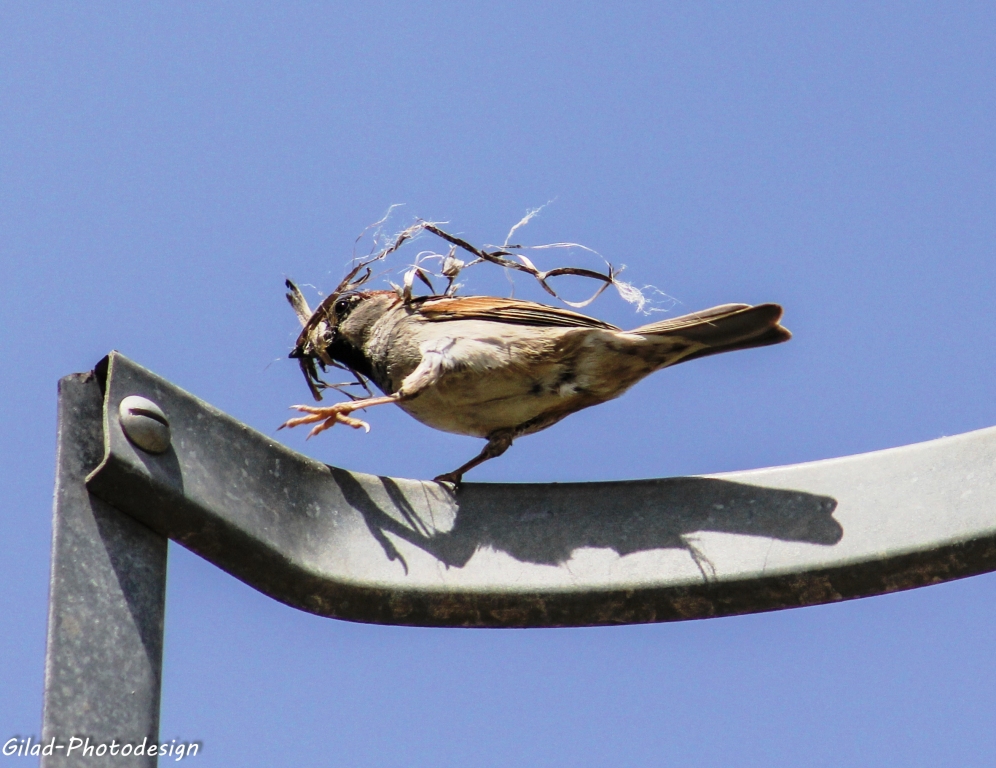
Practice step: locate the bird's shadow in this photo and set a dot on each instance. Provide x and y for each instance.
(546, 523)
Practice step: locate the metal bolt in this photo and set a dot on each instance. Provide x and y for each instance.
(144, 423)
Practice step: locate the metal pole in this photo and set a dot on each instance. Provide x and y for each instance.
(103, 663)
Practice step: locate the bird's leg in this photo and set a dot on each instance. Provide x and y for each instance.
(331, 415)
(498, 443)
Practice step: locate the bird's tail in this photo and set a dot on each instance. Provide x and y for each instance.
(723, 329)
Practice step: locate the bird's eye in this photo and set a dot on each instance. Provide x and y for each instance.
(341, 306)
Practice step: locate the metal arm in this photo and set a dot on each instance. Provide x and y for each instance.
(365, 548)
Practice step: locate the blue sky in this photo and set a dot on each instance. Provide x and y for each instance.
(164, 167)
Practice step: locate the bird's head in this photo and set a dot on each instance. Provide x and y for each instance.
(335, 333)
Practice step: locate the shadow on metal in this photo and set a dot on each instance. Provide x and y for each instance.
(547, 524)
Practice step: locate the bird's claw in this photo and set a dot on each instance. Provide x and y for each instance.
(328, 417)
(451, 478)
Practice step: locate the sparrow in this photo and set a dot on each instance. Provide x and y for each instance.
(498, 368)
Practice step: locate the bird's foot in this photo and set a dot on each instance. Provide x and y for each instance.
(454, 478)
(329, 416)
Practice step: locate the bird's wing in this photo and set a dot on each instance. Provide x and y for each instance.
(515, 311)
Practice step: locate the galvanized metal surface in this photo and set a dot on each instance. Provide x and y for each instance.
(105, 628)
(380, 549)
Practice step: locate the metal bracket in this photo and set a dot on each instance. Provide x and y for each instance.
(380, 549)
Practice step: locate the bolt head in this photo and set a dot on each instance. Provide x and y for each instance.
(144, 424)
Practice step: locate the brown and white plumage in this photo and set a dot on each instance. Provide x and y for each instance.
(500, 368)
